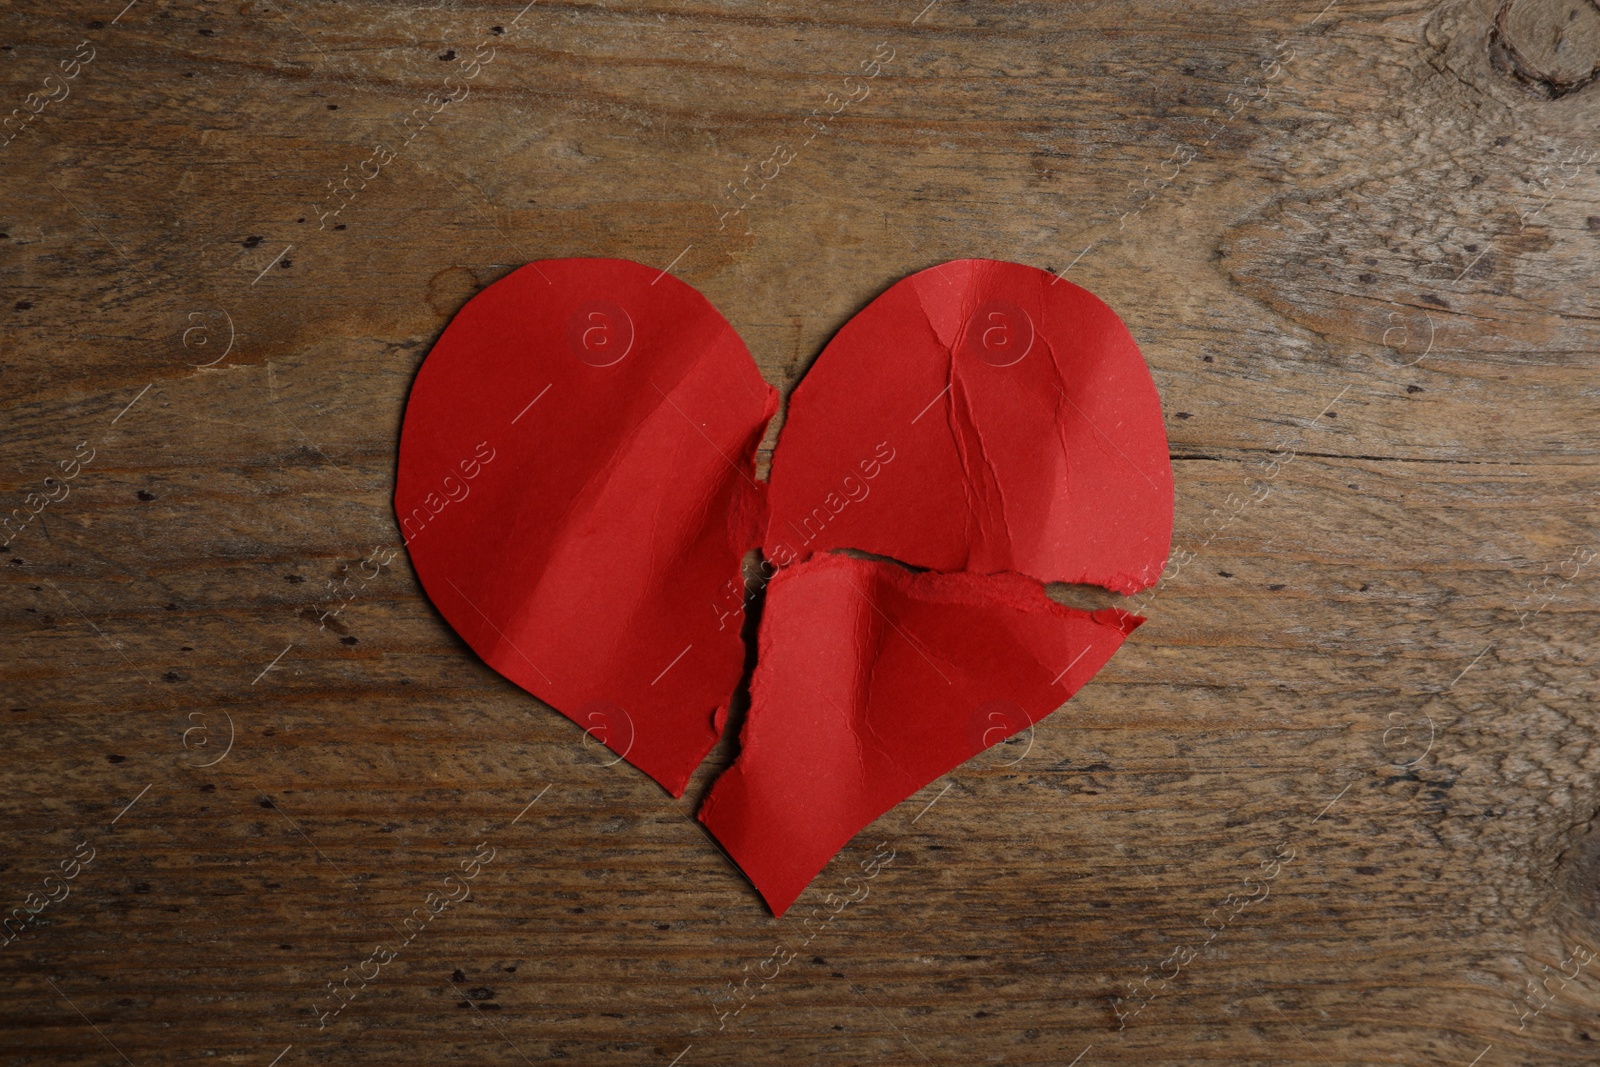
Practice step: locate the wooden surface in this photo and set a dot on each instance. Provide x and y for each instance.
(1334, 804)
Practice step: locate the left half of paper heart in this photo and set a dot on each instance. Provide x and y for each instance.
(576, 489)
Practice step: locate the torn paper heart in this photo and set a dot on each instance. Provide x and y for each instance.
(576, 488)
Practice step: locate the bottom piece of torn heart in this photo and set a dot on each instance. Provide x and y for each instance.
(872, 681)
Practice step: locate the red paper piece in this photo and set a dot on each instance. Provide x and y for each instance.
(576, 487)
(872, 682)
(979, 416)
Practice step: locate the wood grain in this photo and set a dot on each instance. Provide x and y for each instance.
(1357, 244)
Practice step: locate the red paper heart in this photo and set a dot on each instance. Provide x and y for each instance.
(576, 490)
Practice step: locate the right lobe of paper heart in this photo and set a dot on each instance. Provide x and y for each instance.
(981, 419)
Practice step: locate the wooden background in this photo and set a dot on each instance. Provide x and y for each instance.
(1334, 804)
